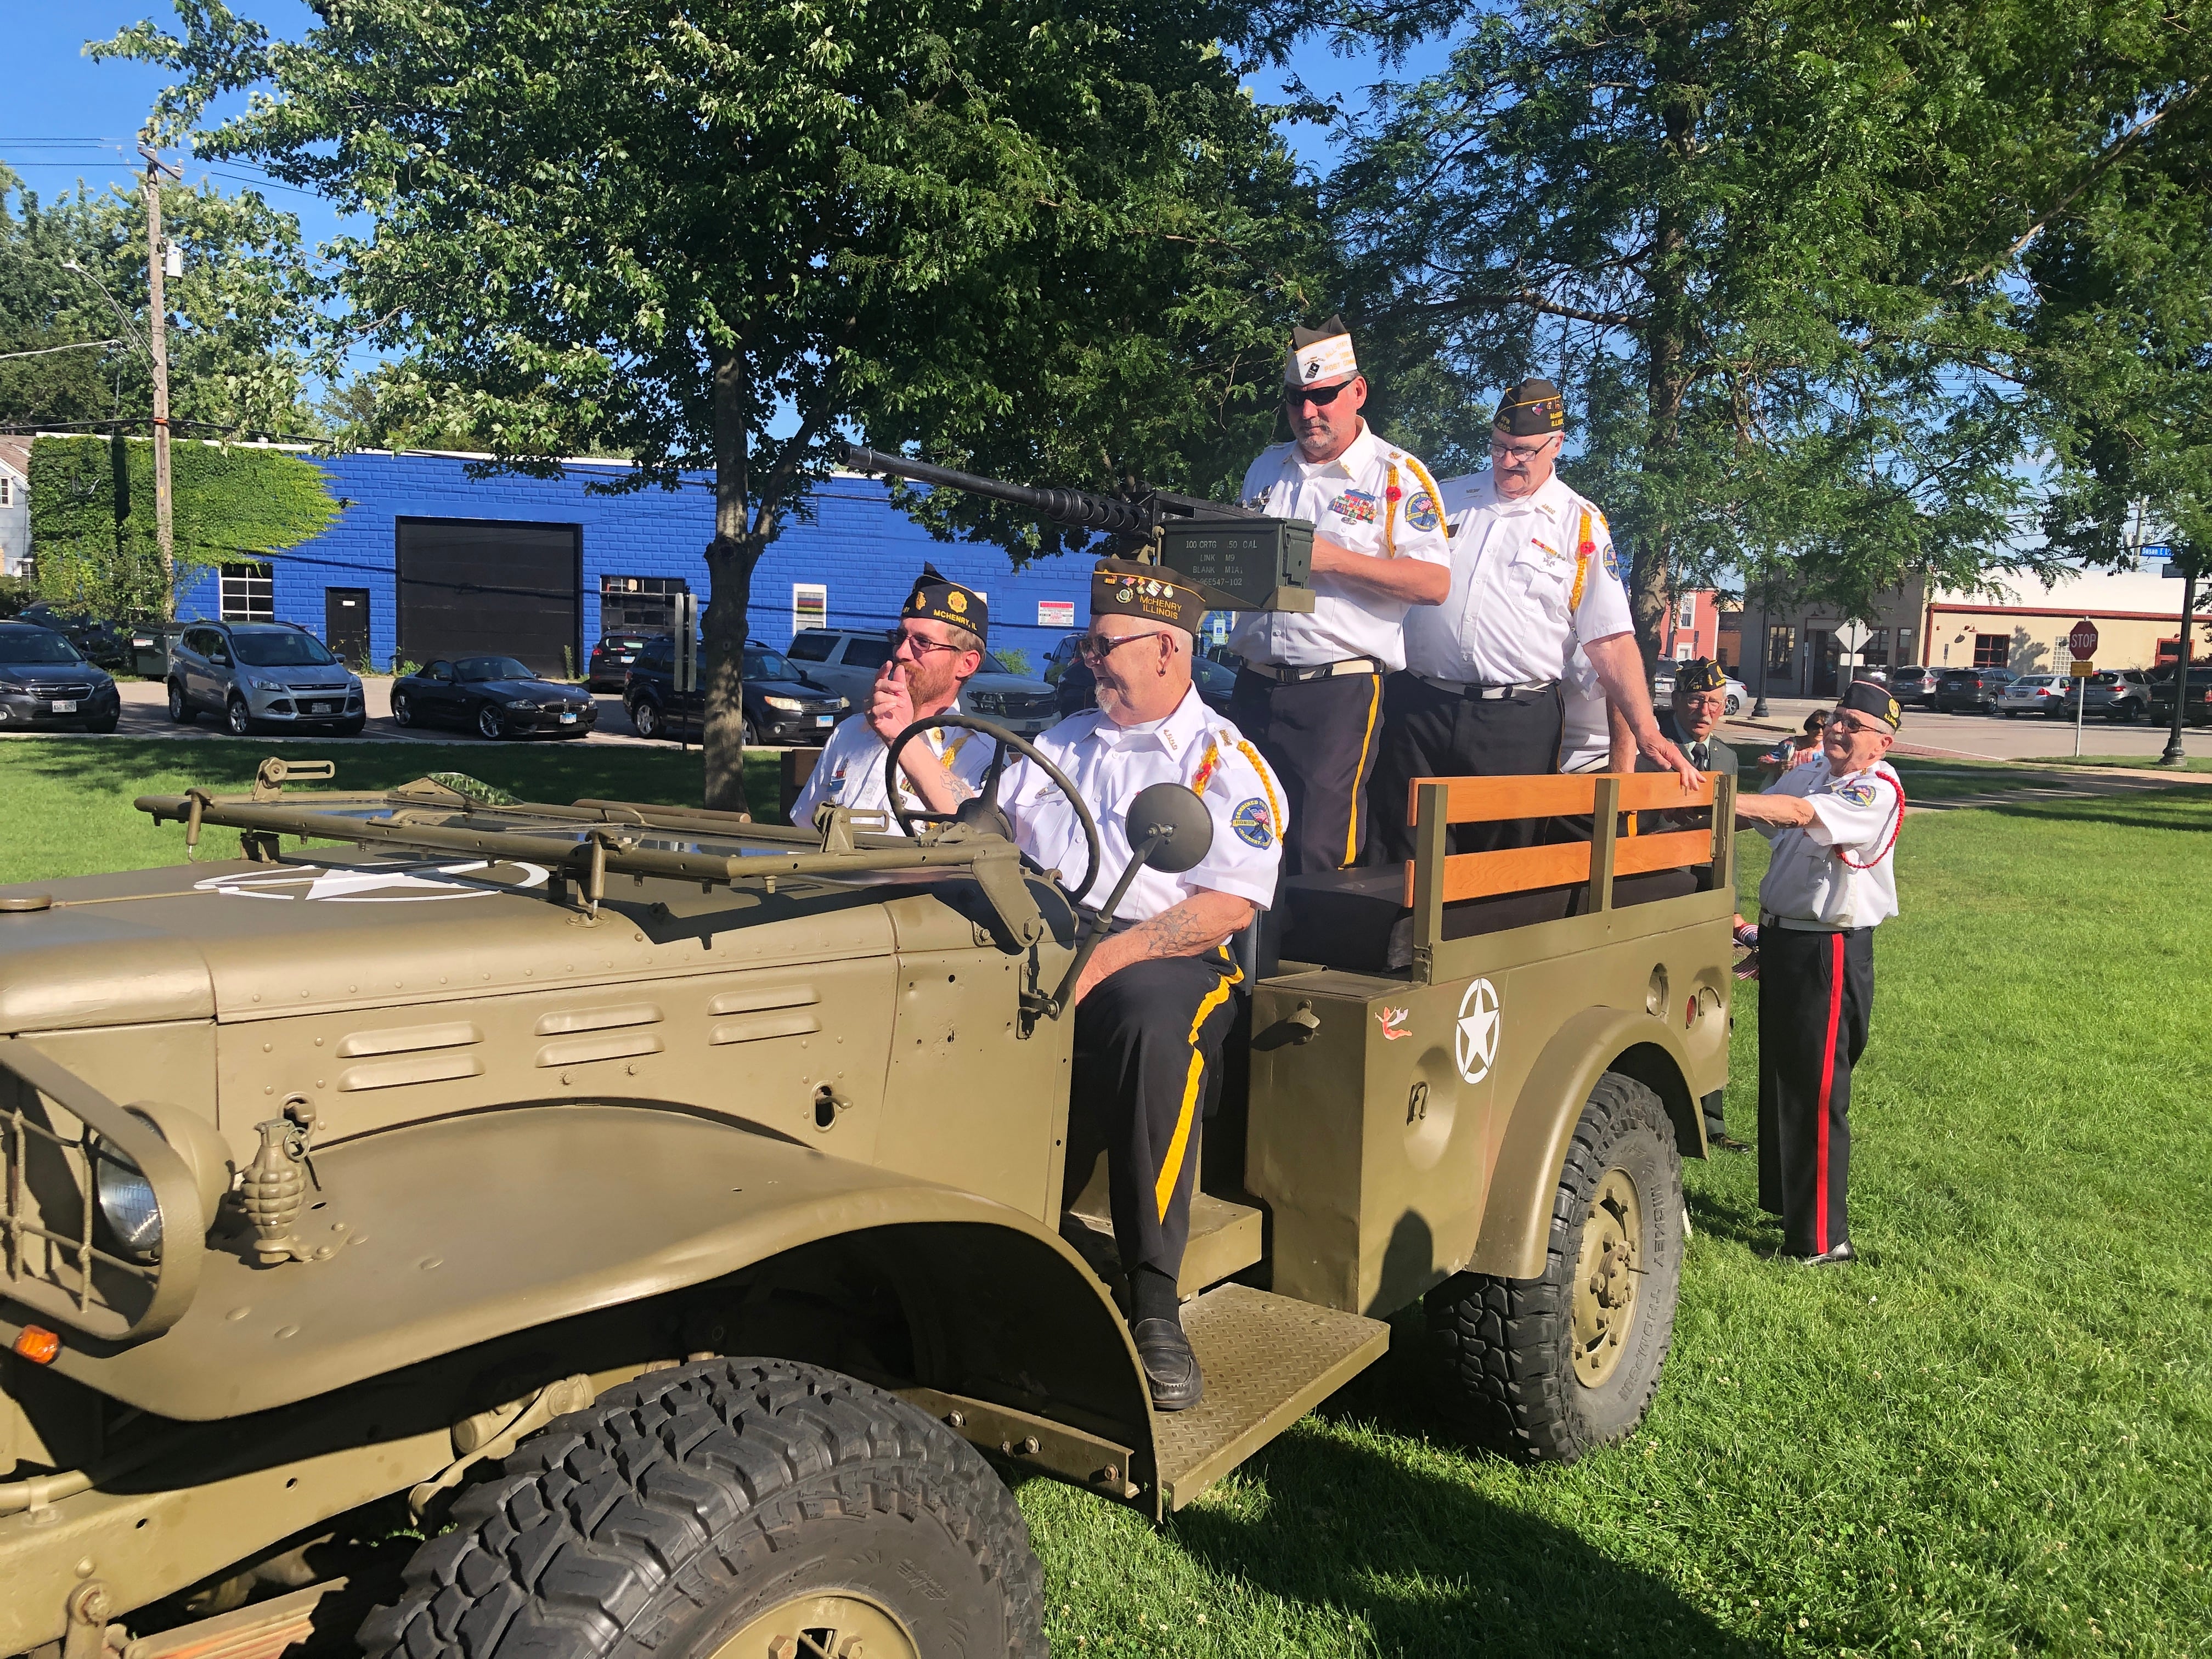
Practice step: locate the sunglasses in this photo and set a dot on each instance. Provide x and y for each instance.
(1320, 397)
(921, 646)
(1852, 728)
(1094, 648)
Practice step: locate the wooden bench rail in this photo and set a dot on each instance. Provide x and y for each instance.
(1516, 870)
(1491, 800)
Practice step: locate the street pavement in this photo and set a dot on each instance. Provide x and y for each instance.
(146, 715)
(1931, 736)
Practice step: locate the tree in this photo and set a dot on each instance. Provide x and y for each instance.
(1017, 233)
(1730, 228)
(242, 323)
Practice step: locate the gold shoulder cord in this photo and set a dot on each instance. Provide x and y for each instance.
(1583, 548)
(1267, 782)
(1390, 513)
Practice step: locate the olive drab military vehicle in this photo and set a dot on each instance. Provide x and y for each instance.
(673, 1218)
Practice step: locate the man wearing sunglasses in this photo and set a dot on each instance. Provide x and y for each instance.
(1310, 692)
(1533, 578)
(1155, 1001)
(940, 644)
(1831, 881)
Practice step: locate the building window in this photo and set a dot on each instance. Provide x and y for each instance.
(1684, 649)
(7, 490)
(1781, 649)
(249, 593)
(1686, 614)
(1905, 657)
(638, 604)
(1992, 650)
(1876, 651)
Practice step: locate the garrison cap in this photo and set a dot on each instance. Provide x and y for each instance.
(1700, 674)
(1130, 587)
(940, 599)
(1866, 697)
(1320, 354)
(1532, 410)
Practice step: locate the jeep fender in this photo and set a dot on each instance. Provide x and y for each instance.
(449, 1235)
(1516, 1223)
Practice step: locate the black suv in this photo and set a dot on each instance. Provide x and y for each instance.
(2196, 702)
(44, 680)
(1974, 688)
(781, 705)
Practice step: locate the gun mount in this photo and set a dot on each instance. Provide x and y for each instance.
(1250, 560)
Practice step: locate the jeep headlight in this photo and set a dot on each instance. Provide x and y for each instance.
(789, 705)
(127, 1197)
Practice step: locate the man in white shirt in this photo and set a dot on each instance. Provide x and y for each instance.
(1534, 575)
(940, 644)
(1833, 823)
(1153, 1005)
(1310, 693)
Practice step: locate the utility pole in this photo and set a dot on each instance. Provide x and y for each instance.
(157, 261)
(2175, 754)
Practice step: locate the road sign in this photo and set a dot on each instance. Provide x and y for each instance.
(2083, 668)
(1851, 635)
(2082, 641)
(2174, 573)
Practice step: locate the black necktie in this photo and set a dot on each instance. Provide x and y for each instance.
(1698, 756)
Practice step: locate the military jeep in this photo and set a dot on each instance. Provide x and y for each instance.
(672, 1217)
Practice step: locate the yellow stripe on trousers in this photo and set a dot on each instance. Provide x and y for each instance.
(1358, 772)
(1171, 1166)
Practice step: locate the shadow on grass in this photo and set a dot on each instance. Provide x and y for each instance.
(1431, 1563)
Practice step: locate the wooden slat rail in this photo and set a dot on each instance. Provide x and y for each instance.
(1433, 879)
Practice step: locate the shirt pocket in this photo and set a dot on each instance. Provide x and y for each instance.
(1546, 577)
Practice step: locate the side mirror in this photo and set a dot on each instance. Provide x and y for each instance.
(1174, 821)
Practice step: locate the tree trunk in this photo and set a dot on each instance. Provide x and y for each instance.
(731, 557)
(1666, 283)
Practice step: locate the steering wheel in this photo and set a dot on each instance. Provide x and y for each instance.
(982, 810)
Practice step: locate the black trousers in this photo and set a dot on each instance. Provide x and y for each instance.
(1815, 1005)
(1427, 732)
(1147, 1041)
(1319, 736)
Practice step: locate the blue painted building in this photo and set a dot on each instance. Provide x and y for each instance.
(425, 561)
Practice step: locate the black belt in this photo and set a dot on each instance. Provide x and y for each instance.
(1483, 693)
(1319, 672)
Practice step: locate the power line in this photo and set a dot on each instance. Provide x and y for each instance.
(45, 351)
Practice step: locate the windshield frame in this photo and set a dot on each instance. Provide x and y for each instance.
(462, 676)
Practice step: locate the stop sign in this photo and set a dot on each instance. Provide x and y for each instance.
(2082, 641)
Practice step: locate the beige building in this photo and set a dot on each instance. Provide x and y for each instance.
(2023, 626)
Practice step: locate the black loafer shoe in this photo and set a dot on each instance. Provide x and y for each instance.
(1171, 1367)
(1831, 1257)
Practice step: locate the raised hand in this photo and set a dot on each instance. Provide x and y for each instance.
(891, 704)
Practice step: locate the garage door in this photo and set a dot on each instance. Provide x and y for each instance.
(489, 585)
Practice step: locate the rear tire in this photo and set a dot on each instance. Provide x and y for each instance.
(731, 1496)
(1543, 1369)
(179, 710)
(402, 709)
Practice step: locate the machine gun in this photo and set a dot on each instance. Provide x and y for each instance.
(1251, 561)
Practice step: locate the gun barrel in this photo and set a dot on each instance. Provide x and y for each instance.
(1076, 507)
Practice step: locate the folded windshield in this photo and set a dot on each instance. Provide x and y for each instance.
(474, 670)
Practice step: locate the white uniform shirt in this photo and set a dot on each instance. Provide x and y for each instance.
(1586, 738)
(1109, 764)
(851, 770)
(1839, 870)
(1523, 592)
(1350, 502)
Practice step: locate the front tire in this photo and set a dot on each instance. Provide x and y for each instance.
(490, 724)
(1543, 1369)
(180, 711)
(782, 1503)
(237, 718)
(645, 720)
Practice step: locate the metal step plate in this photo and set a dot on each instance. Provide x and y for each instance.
(1268, 1360)
(1224, 1238)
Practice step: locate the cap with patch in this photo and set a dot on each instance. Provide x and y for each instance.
(1129, 588)
(1320, 354)
(1866, 697)
(939, 598)
(1700, 674)
(1532, 410)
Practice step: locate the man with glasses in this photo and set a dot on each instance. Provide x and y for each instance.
(940, 644)
(1830, 883)
(1310, 692)
(1534, 575)
(1154, 1003)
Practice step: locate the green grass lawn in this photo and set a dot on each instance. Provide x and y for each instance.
(1993, 1436)
(2193, 763)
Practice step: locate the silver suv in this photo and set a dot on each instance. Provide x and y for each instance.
(253, 675)
(845, 659)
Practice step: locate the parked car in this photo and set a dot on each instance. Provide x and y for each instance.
(1972, 689)
(2117, 694)
(256, 675)
(2048, 695)
(1663, 687)
(781, 705)
(1912, 684)
(845, 661)
(608, 668)
(2196, 705)
(493, 697)
(44, 680)
(99, 642)
(1216, 682)
(151, 646)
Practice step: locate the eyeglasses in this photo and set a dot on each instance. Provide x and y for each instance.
(1710, 701)
(1094, 650)
(1519, 455)
(1851, 728)
(920, 646)
(1321, 395)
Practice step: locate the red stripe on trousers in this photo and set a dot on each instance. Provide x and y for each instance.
(1827, 1087)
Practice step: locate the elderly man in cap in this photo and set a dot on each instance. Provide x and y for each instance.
(1310, 692)
(1153, 1005)
(938, 645)
(1830, 882)
(1534, 576)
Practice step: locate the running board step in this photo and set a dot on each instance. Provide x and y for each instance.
(1268, 1360)
(1226, 1238)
